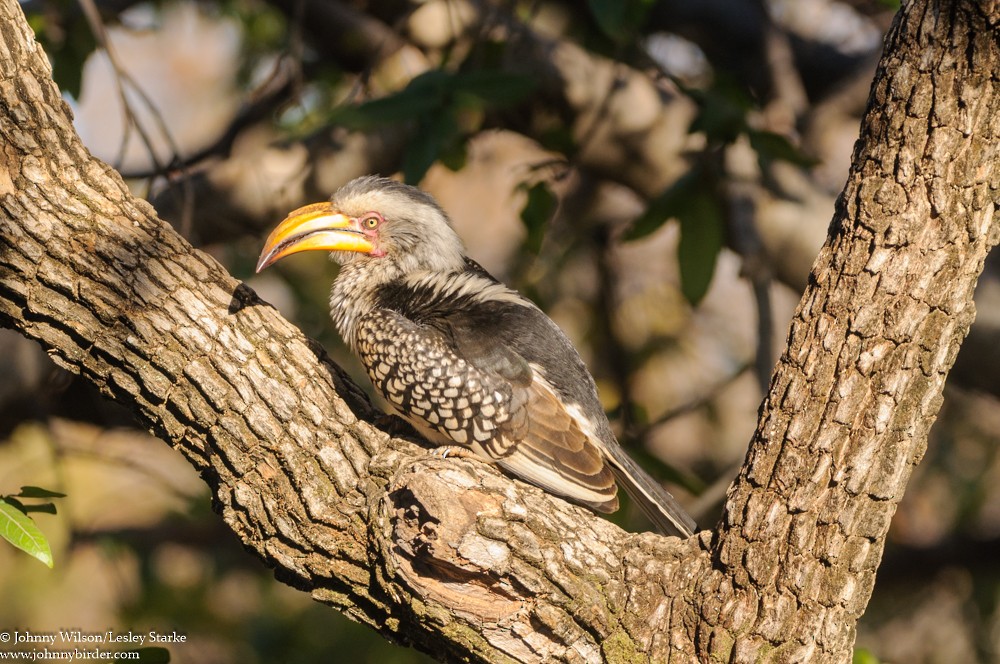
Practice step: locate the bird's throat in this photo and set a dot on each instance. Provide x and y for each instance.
(354, 294)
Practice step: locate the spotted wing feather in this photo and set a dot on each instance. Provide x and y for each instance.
(533, 406)
(491, 400)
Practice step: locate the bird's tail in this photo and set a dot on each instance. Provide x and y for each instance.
(655, 501)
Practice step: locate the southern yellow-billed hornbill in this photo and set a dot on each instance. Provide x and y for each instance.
(460, 356)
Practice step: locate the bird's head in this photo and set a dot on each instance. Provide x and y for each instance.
(375, 221)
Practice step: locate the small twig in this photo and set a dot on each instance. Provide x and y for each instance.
(277, 88)
(607, 302)
(688, 406)
(789, 100)
(124, 81)
(745, 240)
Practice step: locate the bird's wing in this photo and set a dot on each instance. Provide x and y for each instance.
(556, 451)
(553, 431)
(555, 445)
(460, 382)
(568, 437)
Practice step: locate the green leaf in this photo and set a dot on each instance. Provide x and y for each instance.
(434, 92)
(68, 41)
(664, 207)
(536, 214)
(609, 14)
(435, 102)
(431, 139)
(496, 88)
(423, 96)
(619, 19)
(38, 492)
(46, 508)
(559, 138)
(863, 656)
(454, 156)
(404, 106)
(692, 200)
(770, 146)
(17, 528)
(265, 28)
(702, 225)
(722, 111)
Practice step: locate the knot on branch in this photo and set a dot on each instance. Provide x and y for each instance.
(439, 510)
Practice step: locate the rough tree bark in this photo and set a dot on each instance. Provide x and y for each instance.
(448, 554)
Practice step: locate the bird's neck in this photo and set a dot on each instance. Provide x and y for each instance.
(421, 295)
(354, 294)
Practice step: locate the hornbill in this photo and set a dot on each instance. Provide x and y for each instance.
(466, 360)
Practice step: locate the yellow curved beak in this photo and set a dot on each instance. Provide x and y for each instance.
(312, 228)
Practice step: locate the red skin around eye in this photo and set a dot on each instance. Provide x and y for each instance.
(372, 233)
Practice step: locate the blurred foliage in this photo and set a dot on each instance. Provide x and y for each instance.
(219, 597)
(67, 39)
(620, 20)
(863, 656)
(444, 108)
(695, 202)
(697, 199)
(538, 210)
(265, 32)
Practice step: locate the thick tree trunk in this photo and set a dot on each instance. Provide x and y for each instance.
(873, 339)
(447, 553)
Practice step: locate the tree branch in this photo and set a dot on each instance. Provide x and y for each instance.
(873, 339)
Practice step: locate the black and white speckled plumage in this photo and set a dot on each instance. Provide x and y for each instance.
(471, 362)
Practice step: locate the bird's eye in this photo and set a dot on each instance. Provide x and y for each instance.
(371, 221)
